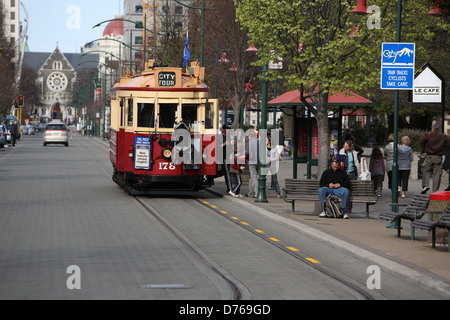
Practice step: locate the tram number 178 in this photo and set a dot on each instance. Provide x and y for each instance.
(166, 166)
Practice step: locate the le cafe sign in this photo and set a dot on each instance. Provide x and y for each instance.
(427, 87)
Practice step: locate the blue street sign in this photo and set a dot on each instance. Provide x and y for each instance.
(397, 66)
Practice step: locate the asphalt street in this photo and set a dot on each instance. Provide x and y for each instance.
(67, 231)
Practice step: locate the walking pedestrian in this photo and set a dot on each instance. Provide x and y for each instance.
(252, 156)
(14, 133)
(389, 157)
(235, 172)
(434, 144)
(349, 159)
(405, 157)
(273, 156)
(356, 147)
(225, 146)
(446, 165)
(377, 169)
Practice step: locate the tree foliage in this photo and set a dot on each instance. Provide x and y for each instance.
(320, 54)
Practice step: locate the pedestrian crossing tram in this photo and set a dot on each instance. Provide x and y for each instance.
(163, 130)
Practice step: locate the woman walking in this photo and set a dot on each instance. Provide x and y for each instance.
(349, 160)
(405, 157)
(377, 169)
(389, 157)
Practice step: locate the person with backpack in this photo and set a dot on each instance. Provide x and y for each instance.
(336, 182)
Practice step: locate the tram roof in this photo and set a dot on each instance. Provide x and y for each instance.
(153, 79)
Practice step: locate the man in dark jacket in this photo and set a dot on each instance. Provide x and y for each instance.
(434, 145)
(446, 165)
(14, 133)
(334, 181)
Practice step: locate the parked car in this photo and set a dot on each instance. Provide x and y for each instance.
(8, 136)
(3, 136)
(56, 133)
(28, 129)
(41, 126)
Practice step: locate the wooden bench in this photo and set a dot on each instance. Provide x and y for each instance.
(443, 222)
(415, 209)
(299, 189)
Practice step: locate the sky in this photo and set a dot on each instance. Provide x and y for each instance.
(67, 23)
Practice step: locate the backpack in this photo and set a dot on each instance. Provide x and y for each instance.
(333, 206)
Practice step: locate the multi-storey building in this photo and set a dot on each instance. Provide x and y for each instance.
(151, 19)
(11, 11)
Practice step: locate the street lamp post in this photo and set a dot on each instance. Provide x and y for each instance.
(261, 196)
(396, 102)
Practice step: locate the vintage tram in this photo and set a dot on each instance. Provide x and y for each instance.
(163, 130)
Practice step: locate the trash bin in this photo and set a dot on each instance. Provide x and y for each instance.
(438, 202)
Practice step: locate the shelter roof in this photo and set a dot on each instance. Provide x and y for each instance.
(347, 98)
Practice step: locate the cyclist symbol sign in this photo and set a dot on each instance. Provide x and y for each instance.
(397, 66)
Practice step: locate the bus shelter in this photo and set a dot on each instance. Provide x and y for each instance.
(305, 147)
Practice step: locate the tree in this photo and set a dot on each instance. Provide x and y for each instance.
(314, 38)
(29, 88)
(225, 32)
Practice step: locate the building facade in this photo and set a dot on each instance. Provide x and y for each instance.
(57, 75)
(11, 10)
(159, 17)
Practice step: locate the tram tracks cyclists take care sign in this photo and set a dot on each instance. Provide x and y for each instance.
(397, 65)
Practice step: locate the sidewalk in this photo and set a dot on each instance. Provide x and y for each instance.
(369, 238)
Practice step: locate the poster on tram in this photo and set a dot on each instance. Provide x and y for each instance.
(142, 152)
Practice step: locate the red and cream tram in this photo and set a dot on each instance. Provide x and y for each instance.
(163, 130)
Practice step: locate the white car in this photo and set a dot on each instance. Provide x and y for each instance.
(28, 129)
(56, 133)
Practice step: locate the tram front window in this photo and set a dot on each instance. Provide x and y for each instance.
(189, 114)
(130, 112)
(209, 117)
(167, 115)
(146, 115)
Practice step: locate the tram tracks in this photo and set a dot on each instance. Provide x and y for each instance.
(234, 288)
(237, 290)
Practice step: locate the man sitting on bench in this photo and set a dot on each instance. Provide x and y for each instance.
(334, 181)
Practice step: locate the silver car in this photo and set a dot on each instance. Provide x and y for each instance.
(56, 133)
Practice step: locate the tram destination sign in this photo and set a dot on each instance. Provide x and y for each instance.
(167, 79)
(397, 66)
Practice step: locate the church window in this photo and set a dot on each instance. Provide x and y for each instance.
(57, 65)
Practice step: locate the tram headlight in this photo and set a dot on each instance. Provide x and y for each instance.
(166, 153)
(130, 151)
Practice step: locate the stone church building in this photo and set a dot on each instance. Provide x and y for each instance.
(57, 74)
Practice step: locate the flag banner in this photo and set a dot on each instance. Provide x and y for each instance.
(187, 55)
